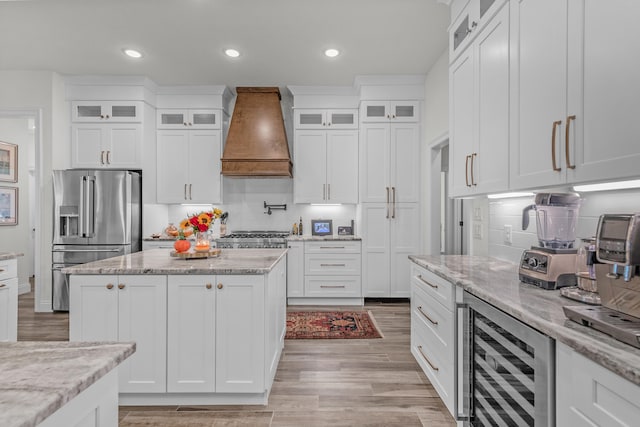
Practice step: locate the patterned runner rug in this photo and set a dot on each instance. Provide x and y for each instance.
(331, 325)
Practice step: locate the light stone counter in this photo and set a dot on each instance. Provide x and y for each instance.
(38, 378)
(497, 283)
(10, 255)
(160, 262)
(304, 238)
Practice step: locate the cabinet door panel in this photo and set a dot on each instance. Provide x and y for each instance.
(204, 167)
(123, 146)
(342, 166)
(375, 250)
(191, 334)
(86, 146)
(142, 317)
(172, 171)
(405, 163)
(295, 269)
(310, 163)
(374, 163)
(93, 308)
(240, 333)
(539, 90)
(8, 309)
(603, 97)
(404, 241)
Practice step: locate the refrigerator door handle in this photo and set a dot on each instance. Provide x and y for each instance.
(82, 218)
(91, 207)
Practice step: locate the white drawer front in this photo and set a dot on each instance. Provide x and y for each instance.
(438, 288)
(332, 246)
(161, 244)
(8, 269)
(434, 317)
(332, 286)
(332, 264)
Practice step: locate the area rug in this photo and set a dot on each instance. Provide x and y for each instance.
(331, 325)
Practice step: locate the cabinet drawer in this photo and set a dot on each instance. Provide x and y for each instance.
(332, 286)
(436, 287)
(331, 264)
(161, 244)
(332, 246)
(8, 269)
(433, 317)
(435, 360)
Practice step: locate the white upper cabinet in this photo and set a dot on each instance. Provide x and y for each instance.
(189, 118)
(326, 119)
(106, 145)
(479, 112)
(470, 18)
(106, 111)
(389, 111)
(574, 117)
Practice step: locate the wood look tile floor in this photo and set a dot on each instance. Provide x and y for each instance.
(337, 383)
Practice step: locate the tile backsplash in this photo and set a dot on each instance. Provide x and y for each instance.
(504, 212)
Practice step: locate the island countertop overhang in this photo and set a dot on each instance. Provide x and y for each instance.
(160, 262)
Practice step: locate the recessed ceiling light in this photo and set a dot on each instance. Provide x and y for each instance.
(232, 53)
(332, 53)
(132, 53)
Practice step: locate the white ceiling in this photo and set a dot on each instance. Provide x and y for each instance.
(281, 41)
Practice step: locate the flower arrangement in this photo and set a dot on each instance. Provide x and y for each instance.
(200, 222)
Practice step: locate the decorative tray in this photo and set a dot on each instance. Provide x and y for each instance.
(191, 254)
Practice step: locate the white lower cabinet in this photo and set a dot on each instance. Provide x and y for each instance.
(433, 330)
(124, 308)
(8, 300)
(191, 333)
(295, 269)
(331, 274)
(588, 394)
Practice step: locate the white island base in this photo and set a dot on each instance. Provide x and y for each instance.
(206, 333)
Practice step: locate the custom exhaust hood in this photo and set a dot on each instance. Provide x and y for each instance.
(257, 142)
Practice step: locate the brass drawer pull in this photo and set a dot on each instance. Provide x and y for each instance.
(553, 145)
(220, 286)
(332, 286)
(110, 286)
(209, 286)
(424, 356)
(332, 247)
(3, 286)
(435, 322)
(419, 276)
(1, 270)
(333, 265)
(121, 286)
(566, 141)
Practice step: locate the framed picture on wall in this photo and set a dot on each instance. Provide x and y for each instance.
(8, 206)
(8, 162)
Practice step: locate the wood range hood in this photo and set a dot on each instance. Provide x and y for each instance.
(257, 142)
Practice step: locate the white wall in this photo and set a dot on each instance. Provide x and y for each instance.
(509, 211)
(435, 130)
(41, 91)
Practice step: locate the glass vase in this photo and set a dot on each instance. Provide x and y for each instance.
(203, 244)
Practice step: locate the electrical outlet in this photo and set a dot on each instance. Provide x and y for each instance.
(506, 234)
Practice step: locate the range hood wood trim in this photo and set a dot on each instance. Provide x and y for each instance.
(257, 141)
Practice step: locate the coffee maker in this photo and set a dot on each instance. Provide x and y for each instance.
(618, 278)
(551, 264)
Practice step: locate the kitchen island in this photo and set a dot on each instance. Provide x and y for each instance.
(60, 383)
(9, 296)
(208, 331)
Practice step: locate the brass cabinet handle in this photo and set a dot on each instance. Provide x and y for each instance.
(387, 202)
(553, 145)
(1, 270)
(424, 356)
(185, 191)
(190, 185)
(328, 191)
(473, 181)
(434, 286)
(566, 141)
(466, 171)
(435, 322)
(102, 157)
(393, 205)
(333, 265)
(107, 116)
(324, 191)
(110, 286)
(220, 286)
(102, 116)
(121, 286)
(332, 286)
(108, 154)
(3, 285)
(332, 247)
(209, 286)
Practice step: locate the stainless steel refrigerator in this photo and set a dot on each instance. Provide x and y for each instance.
(97, 214)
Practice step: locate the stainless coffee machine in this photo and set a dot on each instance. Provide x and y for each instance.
(551, 265)
(618, 278)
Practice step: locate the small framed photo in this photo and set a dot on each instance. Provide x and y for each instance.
(345, 230)
(321, 227)
(8, 206)
(8, 162)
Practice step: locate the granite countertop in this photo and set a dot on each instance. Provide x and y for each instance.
(159, 261)
(10, 255)
(497, 283)
(38, 378)
(321, 238)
